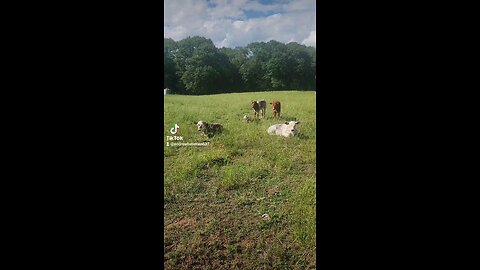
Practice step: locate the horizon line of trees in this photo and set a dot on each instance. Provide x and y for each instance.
(194, 66)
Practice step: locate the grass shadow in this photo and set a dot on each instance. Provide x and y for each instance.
(288, 118)
(302, 136)
(282, 118)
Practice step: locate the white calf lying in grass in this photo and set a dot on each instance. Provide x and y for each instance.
(285, 130)
(248, 119)
(209, 129)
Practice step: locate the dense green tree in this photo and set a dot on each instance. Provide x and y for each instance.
(195, 66)
(253, 75)
(236, 58)
(170, 69)
(302, 71)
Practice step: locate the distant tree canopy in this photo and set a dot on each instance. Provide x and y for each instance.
(194, 66)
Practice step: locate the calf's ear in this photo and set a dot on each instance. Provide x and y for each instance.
(297, 122)
(286, 123)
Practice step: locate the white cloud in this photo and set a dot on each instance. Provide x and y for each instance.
(311, 40)
(227, 8)
(226, 24)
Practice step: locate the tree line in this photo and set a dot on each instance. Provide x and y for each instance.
(194, 66)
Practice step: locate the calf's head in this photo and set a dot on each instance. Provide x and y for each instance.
(291, 127)
(201, 125)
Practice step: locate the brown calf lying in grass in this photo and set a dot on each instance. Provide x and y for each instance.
(276, 108)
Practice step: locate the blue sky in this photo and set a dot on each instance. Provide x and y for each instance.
(232, 23)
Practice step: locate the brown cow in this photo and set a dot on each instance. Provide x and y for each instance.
(276, 108)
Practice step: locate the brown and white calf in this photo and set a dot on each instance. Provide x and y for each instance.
(276, 108)
(259, 107)
(209, 129)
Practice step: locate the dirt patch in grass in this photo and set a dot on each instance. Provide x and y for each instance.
(183, 223)
(273, 190)
(286, 181)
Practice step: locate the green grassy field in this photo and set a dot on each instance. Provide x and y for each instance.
(215, 195)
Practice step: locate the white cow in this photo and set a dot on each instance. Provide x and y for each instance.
(285, 130)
